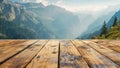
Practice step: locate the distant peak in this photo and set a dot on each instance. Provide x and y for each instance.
(33, 4)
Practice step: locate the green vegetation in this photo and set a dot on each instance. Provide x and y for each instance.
(112, 33)
(104, 29)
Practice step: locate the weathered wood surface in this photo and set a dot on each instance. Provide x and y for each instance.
(10, 49)
(94, 59)
(70, 57)
(59, 53)
(111, 54)
(47, 57)
(112, 44)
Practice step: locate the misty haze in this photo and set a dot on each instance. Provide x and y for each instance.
(59, 19)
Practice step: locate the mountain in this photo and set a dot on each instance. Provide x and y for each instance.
(110, 22)
(18, 23)
(58, 21)
(95, 28)
(113, 32)
(41, 20)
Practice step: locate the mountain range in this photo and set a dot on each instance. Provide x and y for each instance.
(40, 21)
(18, 23)
(20, 19)
(95, 28)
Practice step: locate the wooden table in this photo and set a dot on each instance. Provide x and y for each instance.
(59, 53)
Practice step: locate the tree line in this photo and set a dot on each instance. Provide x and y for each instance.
(110, 33)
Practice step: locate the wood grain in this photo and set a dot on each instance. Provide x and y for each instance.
(111, 44)
(47, 57)
(92, 57)
(11, 50)
(60, 53)
(111, 54)
(23, 58)
(70, 57)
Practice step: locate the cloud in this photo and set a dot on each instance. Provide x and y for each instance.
(79, 5)
(44, 2)
(76, 8)
(63, 5)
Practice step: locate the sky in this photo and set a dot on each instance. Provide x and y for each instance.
(84, 5)
(79, 5)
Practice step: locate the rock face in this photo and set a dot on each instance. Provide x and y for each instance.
(38, 20)
(18, 23)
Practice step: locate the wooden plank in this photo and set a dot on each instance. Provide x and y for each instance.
(47, 57)
(92, 57)
(5, 41)
(23, 58)
(114, 56)
(70, 57)
(5, 45)
(114, 45)
(6, 53)
(116, 42)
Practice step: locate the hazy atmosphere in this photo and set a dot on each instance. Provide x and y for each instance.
(59, 33)
(78, 5)
(61, 19)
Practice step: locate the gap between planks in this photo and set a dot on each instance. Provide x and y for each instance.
(93, 58)
(112, 44)
(70, 57)
(54, 53)
(47, 57)
(22, 59)
(109, 53)
(14, 50)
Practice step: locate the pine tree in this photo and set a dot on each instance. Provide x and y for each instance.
(115, 21)
(104, 29)
(112, 33)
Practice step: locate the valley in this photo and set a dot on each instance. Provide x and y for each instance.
(31, 20)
